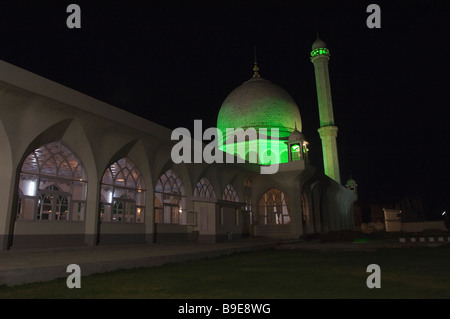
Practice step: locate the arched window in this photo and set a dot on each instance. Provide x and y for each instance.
(229, 194)
(204, 189)
(52, 185)
(122, 193)
(170, 199)
(273, 209)
(296, 152)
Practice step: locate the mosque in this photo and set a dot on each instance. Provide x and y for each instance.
(79, 172)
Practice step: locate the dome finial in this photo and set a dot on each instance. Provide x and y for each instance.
(255, 64)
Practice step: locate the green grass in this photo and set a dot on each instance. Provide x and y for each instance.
(274, 274)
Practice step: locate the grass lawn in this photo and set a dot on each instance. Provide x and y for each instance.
(273, 274)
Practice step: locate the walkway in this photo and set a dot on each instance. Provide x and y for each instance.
(21, 266)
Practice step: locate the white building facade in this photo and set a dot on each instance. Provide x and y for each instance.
(79, 172)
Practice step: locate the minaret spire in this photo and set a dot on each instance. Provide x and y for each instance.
(320, 55)
(255, 64)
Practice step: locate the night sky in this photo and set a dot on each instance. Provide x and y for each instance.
(173, 62)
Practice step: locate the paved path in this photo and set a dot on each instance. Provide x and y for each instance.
(21, 266)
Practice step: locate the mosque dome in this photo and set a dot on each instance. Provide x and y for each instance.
(258, 103)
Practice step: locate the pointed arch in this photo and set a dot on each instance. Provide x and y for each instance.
(204, 189)
(273, 208)
(53, 133)
(230, 194)
(170, 199)
(123, 192)
(52, 185)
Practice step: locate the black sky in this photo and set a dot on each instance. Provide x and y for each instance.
(173, 62)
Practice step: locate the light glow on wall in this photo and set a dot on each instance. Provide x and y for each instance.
(263, 150)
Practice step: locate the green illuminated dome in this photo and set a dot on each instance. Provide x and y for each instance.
(259, 103)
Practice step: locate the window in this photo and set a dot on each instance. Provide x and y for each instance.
(204, 189)
(52, 185)
(170, 199)
(273, 208)
(122, 193)
(230, 194)
(296, 152)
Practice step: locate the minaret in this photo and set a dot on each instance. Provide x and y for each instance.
(328, 131)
